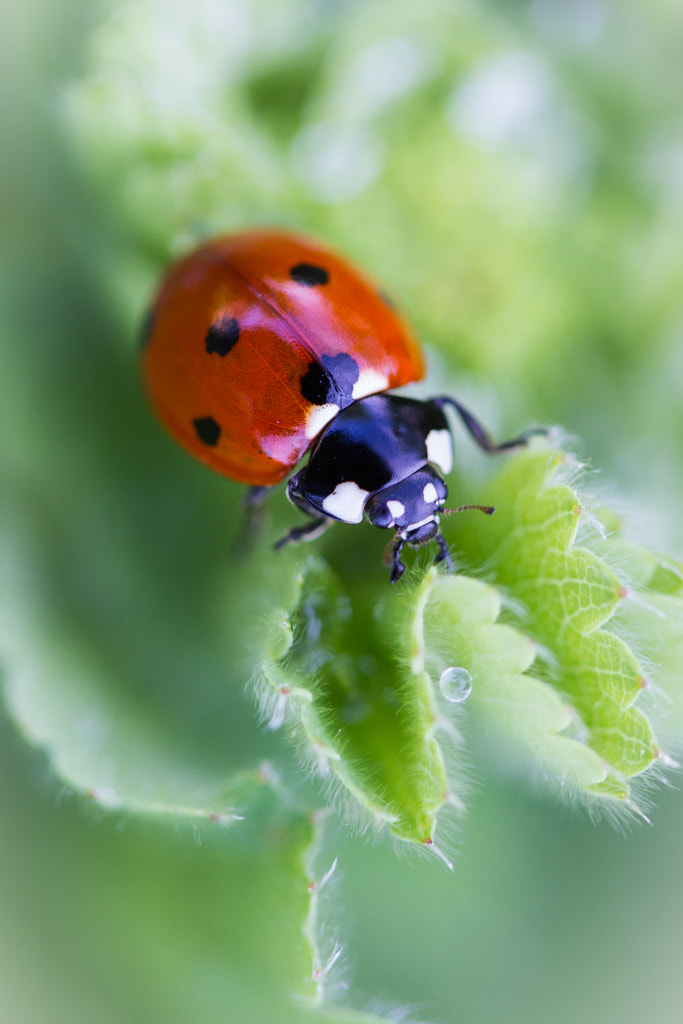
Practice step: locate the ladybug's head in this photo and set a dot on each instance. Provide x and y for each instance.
(411, 506)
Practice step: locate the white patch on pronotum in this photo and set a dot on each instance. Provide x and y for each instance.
(429, 494)
(397, 509)
(440, 449)
(369, 383)
(318, 416)
(346, 502)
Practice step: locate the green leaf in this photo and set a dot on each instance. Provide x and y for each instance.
(523, 712)
(366, 684)
(67, 675)
(200, 921)
(655, 615)
(569, 596)
(362, 713)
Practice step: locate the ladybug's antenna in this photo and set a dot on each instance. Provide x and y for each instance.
(486, 509)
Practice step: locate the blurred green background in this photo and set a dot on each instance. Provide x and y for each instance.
(513, 172)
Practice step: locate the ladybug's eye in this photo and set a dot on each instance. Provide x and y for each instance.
(381, 516)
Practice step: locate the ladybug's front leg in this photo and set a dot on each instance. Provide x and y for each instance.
(394, 550)
(444, 554)
(309, 531)
(397, 566)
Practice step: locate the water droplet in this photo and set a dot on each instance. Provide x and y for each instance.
(455, 684)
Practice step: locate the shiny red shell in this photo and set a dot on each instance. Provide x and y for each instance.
(245, 335)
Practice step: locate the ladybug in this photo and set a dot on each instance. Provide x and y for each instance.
(263, 346)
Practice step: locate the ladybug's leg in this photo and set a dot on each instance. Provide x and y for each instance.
(397, 566)
(255, 496)
(309, 531)
(444, 554)
(252, 522)
(480, 434)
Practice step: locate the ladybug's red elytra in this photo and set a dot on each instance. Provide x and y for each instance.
(263, 346)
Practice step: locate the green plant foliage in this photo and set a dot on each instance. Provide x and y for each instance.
(569, 597)
(365, 708)
(511, 173)
(198, 917)
(367, 688)
(657, 616)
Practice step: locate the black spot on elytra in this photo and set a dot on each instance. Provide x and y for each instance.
(146, 327)
(207, 430)
(222, 335)
(316, 386)
(309, 274)
(343, 369)
(387, 299)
